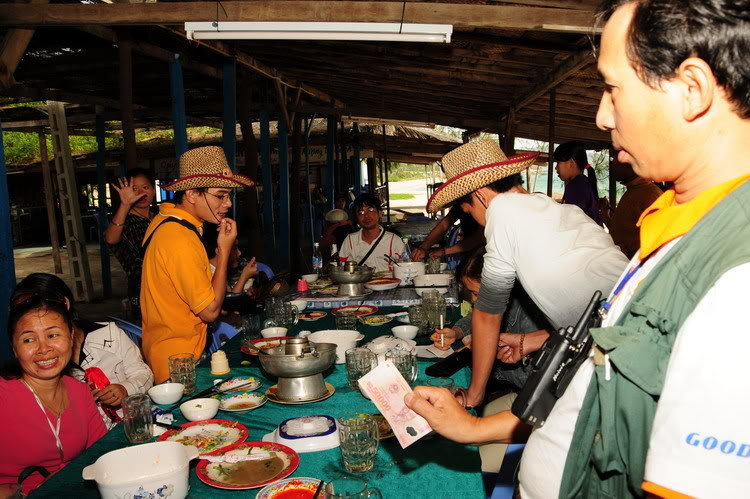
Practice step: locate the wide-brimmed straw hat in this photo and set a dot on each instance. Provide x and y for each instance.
(474, 165)
(206, 167)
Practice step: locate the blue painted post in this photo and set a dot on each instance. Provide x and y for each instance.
(179, 121)
(101, 181)
(330, 163)
(269, 242)
(283, 140)
(7, 265)
(229, 132)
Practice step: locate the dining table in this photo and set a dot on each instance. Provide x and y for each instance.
(431, 467)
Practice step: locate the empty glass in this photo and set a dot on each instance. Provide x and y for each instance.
(182, 370)
(441, 383)
(137, 419)
(418, 318)
(434, 308)
(433, 266)
(359, 361)
(346, 321)
(359, 442)
(347, 487)
(405, 362)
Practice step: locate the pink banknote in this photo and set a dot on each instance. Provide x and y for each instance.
(386, 387)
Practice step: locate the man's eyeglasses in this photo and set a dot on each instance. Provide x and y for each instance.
(369, 209)
(224, 198)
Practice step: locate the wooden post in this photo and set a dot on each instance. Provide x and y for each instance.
(229, 131)
(179, 121)
(265, 161)
(294, 180)
(125, 77)
(387, 186)
(49, 197)
(509, 146)
(101, 181)
(372, 179)
(550, 161)
(283, 141)
(7, 264)
(252, 228)
(356, 161)
(330, 161)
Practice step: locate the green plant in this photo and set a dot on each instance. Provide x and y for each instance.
(401, 196)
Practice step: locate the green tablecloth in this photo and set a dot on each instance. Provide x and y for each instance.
(429, 468)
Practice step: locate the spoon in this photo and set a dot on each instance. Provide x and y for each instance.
(392, 260)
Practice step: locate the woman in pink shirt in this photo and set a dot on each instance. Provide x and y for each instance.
(47, 417)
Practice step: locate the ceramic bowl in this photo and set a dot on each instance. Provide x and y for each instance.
(310, 278)
(300, 304)
(166, 393)
(407, 271)
(199, 409)
(273, 332)
(439, 282)
(143, 470)
(405, 332)
(344, 339)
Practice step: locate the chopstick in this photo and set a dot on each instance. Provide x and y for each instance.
(168, 426)
(317, 491)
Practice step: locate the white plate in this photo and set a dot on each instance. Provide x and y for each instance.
(430, 352)
(328, 440)
(229, 404)
(235, 385)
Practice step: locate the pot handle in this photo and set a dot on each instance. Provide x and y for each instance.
(89, 472)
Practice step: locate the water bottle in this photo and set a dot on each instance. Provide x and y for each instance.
(335, 255)
(317, 259)
(406, 255)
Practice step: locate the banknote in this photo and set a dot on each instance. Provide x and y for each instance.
(386, 387)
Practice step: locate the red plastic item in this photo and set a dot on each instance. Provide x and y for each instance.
(302, 285)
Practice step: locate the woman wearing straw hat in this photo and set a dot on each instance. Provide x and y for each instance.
(179, 296)
(559, 255)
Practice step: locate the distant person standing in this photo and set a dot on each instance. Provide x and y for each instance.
(125, 231)
(580, 190)
(640, 194)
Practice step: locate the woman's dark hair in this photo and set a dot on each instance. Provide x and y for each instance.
(499, 186)
(663, 33)
(42, 284)
(26, 304)
(472, 266)
(178, 195)
(576, 151)
(140, 172)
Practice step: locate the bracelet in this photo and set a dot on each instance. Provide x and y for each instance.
(524, 359)
(117, 225)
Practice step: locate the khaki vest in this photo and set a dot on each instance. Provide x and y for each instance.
(607, 456)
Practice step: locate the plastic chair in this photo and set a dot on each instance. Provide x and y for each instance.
(223, 333)
(134, 332)
(262, 267)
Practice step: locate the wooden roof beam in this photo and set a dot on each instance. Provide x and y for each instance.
(460, 15)
(12, 49)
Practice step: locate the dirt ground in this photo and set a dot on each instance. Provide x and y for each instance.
(39, 259)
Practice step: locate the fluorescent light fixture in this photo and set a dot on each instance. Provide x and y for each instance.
(379, 32)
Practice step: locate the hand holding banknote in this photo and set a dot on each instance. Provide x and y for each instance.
(387, 389)
(443, 413)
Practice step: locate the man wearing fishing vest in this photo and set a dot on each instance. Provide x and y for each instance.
(660, 407)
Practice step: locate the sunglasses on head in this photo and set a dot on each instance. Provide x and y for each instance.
(24, 298)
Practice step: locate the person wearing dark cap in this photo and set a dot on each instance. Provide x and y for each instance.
(179, 296)
(579, 176)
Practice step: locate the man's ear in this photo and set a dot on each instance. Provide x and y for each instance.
(191, 196)
(699, 87)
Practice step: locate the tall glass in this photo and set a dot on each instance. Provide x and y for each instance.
(418, 318)
(405, 362)
(346, 321)
(182, 370)
(137, 419)
(359, 442)
(359, 361)
(434, 307)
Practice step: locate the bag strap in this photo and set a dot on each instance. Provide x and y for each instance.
(180, 221)
(372, 248)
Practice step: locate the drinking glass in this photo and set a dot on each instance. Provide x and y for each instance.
(434, 307)
(359, 442)
(405, 362)
(359, 361)
(346, 321)
(441, 383)
(347, 487)
(137, 418)
(433, 266)
(182, 370)
(418, 318)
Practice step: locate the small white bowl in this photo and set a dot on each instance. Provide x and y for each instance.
(200, 409)
(310, 278)
(439, 282)
(300, 304)
(166, 393)
(405, 332)
(273, 332)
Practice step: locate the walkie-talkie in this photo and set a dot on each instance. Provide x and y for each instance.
(554, 365)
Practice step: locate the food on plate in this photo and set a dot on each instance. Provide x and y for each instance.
(311, 316)
(291, 488)
(375, 320)
(247, 472)
(358, 310)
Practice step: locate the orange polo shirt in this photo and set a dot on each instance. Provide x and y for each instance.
(175, 288)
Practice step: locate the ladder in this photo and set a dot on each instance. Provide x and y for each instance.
(78, 260)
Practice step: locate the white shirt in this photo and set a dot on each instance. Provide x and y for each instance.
(110, 349)
(696, 445)
(558, 253)
(354, 248)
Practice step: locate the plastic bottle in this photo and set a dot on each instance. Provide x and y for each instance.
(406, 255)
(335, 255)
(317, 259)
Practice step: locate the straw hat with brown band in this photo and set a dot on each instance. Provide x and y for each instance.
(475, 165)
(207, 167)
